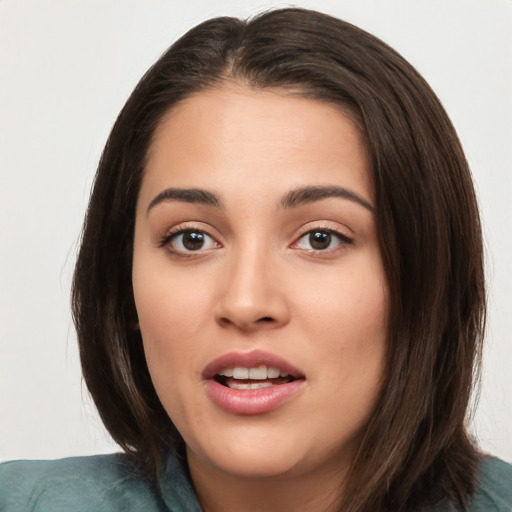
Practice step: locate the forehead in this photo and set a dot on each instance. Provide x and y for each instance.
(234, 134)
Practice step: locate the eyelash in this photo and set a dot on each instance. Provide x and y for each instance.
(343, 240)
(171, 236)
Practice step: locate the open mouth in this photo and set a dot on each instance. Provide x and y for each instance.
(252, 378)
(249, 383)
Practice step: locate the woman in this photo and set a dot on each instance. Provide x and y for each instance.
(279, 295)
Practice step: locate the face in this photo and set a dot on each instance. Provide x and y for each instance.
(258, 281)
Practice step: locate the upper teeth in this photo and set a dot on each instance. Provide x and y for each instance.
(258, 373)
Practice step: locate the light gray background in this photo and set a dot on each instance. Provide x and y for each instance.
(66, 68)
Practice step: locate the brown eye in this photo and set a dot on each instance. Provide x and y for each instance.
(319, 240)
(190, 240)
(322, 240)
(193, 240)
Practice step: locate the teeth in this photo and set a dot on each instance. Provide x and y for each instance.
(257, 373)
(251, 385)
(240, 373)
(273, 373)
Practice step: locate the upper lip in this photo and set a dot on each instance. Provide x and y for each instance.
(250, 359)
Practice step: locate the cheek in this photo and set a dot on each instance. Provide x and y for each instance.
(157, 310)
(173, 309)
(170, 305)
(167, 329)
(351, 304)
(348, 312)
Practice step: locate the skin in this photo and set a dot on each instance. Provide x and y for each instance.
(257, 283)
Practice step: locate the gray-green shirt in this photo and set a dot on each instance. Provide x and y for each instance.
(108, 483)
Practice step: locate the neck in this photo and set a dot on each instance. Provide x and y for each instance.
(219, 491)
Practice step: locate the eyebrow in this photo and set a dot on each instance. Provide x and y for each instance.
(307, 195)
(187, 195)
(292, 199)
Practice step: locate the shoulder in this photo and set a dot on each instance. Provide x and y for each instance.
(494, 487)
(99, 483)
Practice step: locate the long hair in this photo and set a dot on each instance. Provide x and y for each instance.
(415, 449)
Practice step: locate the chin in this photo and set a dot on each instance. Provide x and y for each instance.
(249, 455)
(255, 466)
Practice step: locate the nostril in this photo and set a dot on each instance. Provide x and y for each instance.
(266, 319)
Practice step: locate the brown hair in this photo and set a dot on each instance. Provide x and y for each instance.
(415, 449)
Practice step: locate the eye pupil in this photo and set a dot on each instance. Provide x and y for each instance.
(319, 240)
(193, 240)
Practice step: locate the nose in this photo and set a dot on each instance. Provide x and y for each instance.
(251, 296)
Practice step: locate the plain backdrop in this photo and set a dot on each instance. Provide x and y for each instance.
(67, 67)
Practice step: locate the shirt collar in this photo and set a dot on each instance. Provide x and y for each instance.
(177, 491)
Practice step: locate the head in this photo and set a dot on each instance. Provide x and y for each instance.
(426, 222)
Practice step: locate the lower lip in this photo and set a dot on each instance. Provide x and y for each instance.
(252, 401)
